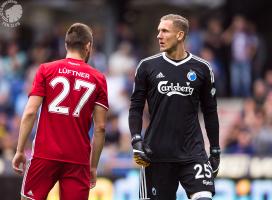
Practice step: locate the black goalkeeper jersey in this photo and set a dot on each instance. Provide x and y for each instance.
(174, 91)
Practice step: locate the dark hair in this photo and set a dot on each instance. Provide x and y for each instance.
(77, 36)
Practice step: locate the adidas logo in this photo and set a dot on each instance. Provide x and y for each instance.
(160, 75)
(30, 193)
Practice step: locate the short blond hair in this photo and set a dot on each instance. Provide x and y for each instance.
(180, 22)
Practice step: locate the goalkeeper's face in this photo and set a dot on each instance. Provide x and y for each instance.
(169, 36)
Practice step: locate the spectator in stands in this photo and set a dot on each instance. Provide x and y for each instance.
(4, 94)
(3, 126)
(242, 50)
(112, 137)
(194, 42)
(98, 60)
(213, 38)
(263, 141)
(214, 41)
(262, 126)
(207, 54)
(243, 143)
(122, 61)
(248, 112)
(13, 63)
(268, 108)
(259, 92)
(258, 51)
(268, 79)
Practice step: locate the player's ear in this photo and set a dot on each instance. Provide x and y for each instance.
(88, 46)
(66, 46)
(180, 35)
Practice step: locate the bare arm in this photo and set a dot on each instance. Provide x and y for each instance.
(26, 126)
(99, 118)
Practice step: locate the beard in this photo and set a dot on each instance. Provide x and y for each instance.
(170, 49)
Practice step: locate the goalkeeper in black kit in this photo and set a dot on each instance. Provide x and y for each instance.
(175, 84)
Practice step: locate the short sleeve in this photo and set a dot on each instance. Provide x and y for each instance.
(102, 97)
(38, 86)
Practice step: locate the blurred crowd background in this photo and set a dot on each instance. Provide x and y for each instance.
(234, 36)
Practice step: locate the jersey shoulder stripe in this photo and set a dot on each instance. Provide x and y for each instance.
(207, 64)
(201, 59)
(145, 59)
(154, 56)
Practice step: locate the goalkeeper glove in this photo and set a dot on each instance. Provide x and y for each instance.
(214, 159)
(141, 151)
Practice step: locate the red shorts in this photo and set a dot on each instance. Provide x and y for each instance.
(42, 174)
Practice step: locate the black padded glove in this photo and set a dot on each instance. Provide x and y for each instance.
(141, 152)
(214, 159)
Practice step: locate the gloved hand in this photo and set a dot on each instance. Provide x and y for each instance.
(214, 159)
(141, 151)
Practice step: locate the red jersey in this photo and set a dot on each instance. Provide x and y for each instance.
(70, 88)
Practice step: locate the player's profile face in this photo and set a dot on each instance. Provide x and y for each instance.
(167, 35)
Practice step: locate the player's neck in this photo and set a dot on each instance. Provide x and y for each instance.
(74, 55)
(177, 54)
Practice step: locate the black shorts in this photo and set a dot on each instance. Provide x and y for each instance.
(162, 179)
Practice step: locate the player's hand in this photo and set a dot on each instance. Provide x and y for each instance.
(93, 178)
(141, 151)
(19, 163)
(214, 159)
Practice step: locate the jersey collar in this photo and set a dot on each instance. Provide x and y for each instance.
(74, 60)
(176, 63)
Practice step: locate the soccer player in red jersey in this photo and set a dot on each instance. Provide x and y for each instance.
(71, 94)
